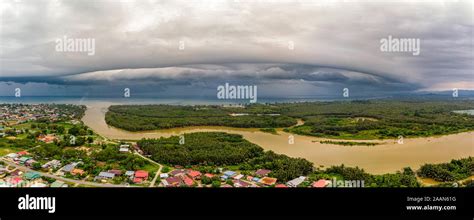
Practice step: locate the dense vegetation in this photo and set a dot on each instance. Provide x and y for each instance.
(149, 117)
(201, 148)
(372, 119)
(452, 171)
(222, 149)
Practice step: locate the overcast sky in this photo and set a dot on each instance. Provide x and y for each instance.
(287, 48)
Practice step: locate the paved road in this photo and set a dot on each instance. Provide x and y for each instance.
(156, 176)
(26, 169)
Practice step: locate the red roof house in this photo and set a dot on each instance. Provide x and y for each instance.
(137, 180)
(140, 175)
(194, 174)
(262, 172)
(188, 181)
(319, 184)
(21, 153)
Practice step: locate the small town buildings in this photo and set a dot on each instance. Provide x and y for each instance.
(12, 155)
(262, 172)
(268, 181)
(187, 181)
(30, 162)
(194, 174)
(24, 159)
(38, 185)
(124, 148)
(32, 175)
(240, 184)
(229, 173)
(68, 168)
(172, 181)
(116, 172)
(58, 184)
(238, 177)
(22, 153)
(177, 172)
(130, 173)
(320, 183)
(105, 175)
(76, 171)
(140, 176)
(52, 164)
(163, 175)
(296, 182)
(16, 172)
(47, 138)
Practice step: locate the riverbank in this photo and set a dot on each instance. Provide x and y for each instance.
(389, 156)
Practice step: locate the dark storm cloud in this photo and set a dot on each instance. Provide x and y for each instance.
(333, 45)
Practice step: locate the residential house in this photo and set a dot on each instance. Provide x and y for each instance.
(38, 185)
(68, 168)
(140, 176)
(58, 184)
(124, 148)
(47, 138)
(187, 181)
(262, 172)
(177, 172)
(116, 172)
(229, 173)
(296, 182)
(163, 175)
(281, 186)
(30, 162)
(130, 173)
(24, 159)
(238, 177)
(172, 181)
(268, 181)
(256, 179)
(104, 175)
(76, 171)
(52, 164)
(320, 183)
(12, 155)
(194, 174)
(240, 184)
(16, 172)
(32, 175)
(23, 153)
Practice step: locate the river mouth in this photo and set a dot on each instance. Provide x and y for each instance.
(387, 157)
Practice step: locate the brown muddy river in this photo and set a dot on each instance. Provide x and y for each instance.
(389, 156)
